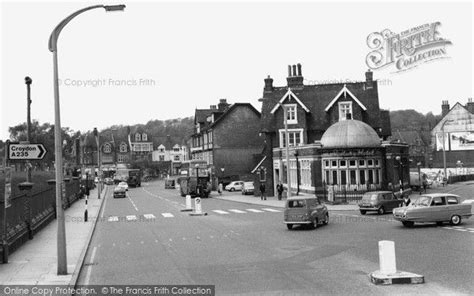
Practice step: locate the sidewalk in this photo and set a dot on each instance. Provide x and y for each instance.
(35, 263)
(273, 201)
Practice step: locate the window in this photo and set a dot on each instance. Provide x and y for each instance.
(362, 162)
(137, 137)
(176, 158)
(352, 174)
(352, 163)
(295, 137)
(162, 158)
(370, 162)
(377, 162)
(326, 163)
(176, 149)
(342, 163)
(452, 200)
(371, 177)
(144, 137)
(296, 204)
(334, 177)
(343, 178)
(107, 148)
(123, 148)
(291, 114)
(334, 163)
(327, 177)
(362, 177)
(344, 109)
(210, 137)
(305, 168)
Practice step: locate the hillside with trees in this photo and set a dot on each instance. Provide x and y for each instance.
(411, 120)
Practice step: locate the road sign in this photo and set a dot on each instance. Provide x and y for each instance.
(26, 151)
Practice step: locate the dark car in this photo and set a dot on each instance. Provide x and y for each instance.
(120, 192)
(305, 210)
(379, 201)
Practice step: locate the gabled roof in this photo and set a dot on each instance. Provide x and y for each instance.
(345, 91)
(232, 108)
(289, 94)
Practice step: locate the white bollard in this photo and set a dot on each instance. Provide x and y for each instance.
(387, 259)
(189, 206)
(197, 206)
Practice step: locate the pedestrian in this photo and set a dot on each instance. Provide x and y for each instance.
(406, 201)
(262, 191)
(425, 184)
(279, 190)
(220, 188)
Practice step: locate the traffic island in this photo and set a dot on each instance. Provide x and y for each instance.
(197, 208)
(388, 274)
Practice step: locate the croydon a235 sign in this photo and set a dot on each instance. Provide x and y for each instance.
(26, 151)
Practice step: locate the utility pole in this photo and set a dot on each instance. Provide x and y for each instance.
(28, 82)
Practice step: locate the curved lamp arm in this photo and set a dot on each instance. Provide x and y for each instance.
(53, 39)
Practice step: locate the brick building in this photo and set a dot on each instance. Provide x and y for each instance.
(141, 145)
(172, 153)
(311, 110)
(457, 129)
(227, 138)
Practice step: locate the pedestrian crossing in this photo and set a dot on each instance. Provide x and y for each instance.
(152, 217)
(460, 228)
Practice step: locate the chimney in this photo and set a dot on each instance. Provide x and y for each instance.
(369, 76)
(213, 107)
(295, 80)
(470, 106)
(444, 108)
(268, 84)
(223, 105)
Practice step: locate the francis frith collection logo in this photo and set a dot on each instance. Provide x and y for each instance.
(408, 49)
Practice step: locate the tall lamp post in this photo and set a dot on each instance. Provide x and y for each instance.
(28, 82)
(99, 167)
(444, 149)
(53, 40)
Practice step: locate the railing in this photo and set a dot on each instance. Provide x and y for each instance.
(345, 193)
(460, 178)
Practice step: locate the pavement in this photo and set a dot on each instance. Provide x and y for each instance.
(35, 262)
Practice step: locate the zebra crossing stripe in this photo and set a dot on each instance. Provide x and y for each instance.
(271, 210)
(460, 229)
(113, 219)
(167, 215)
(254, 211)
(149, 216)
(220, 212)
(237, 211)
(131, 218)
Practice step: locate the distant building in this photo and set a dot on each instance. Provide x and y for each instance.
(312, 111)
(175, 154)
(419, 145)
(456, 128)
(227, 138)
(141, 145)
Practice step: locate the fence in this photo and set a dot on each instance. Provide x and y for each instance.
(344, 194)
(30, 212)
(460, 178)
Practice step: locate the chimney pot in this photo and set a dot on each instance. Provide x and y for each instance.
(299, 69)
(289, 70)
(294, 70)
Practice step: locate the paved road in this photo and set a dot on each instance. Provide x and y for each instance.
(242, 248)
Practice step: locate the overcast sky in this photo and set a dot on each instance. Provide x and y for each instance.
(163, 60)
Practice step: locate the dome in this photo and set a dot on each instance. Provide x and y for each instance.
(350, 134)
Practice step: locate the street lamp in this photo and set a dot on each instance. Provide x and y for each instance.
(444, 150)
(99, 168)
(297, 173)
(28, 82)
(53, 40)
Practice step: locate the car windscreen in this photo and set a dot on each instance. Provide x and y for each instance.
(422, 201)
(296, 203)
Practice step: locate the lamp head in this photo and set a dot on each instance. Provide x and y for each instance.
(28, 80)
(110, 8)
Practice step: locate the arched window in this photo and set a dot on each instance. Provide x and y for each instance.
(137, 137)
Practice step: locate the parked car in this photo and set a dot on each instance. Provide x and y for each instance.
(123, 185)
(247, 188)
(120, 192)
(170, 184)
(436, 207)
(234, 186)
(108, 181)
(305, 210)
(379, 201)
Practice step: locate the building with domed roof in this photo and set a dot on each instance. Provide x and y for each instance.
(337, 136)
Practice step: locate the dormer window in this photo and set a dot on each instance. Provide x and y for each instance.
(137, 137)
(123, 148)
(144, 137)
(344, 109)
(291, 113)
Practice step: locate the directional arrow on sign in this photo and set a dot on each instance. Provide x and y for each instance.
(26, 151)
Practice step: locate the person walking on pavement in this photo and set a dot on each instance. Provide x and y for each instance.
(220, 188)
(279, 190)
(262, 191)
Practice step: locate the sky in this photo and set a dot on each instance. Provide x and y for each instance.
(162, 60)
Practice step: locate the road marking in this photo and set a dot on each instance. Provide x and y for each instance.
(113, 245)
(471, 228)
(237, 211)
(103, 208)
(113, 219)
(89, 268)
(167, 215)
(271, 210)
(171, 239)
(254, 211)
(131, 218)
(142, 242)
(130, 199)
(459, 229)
(220, 212)
(448, 228)
(149, 216)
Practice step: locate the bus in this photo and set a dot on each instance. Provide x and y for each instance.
(194, 178)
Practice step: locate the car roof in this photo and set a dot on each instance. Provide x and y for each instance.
(301, 197)
(440, 194)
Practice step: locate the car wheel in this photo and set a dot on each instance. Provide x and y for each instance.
(315, 223)
(439, 223)
(408, 223)
(289, 226)
(381, 211)
(455, 220)
(363, 212)
(232, 189)
(326, 219)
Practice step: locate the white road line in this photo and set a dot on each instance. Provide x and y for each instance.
(89, 268)
(471, 228)
(130, 199)
(220, 212)
(237, 211)
(103, 208)
(131, 218)
(471, 231)
(254, 211)
(459, 229)
(167, 215)
(448, 228)
(113, 219)
(271, 210)
(149, 216)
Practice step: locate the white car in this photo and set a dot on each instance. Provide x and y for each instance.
(234, 185)
(123, 185)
